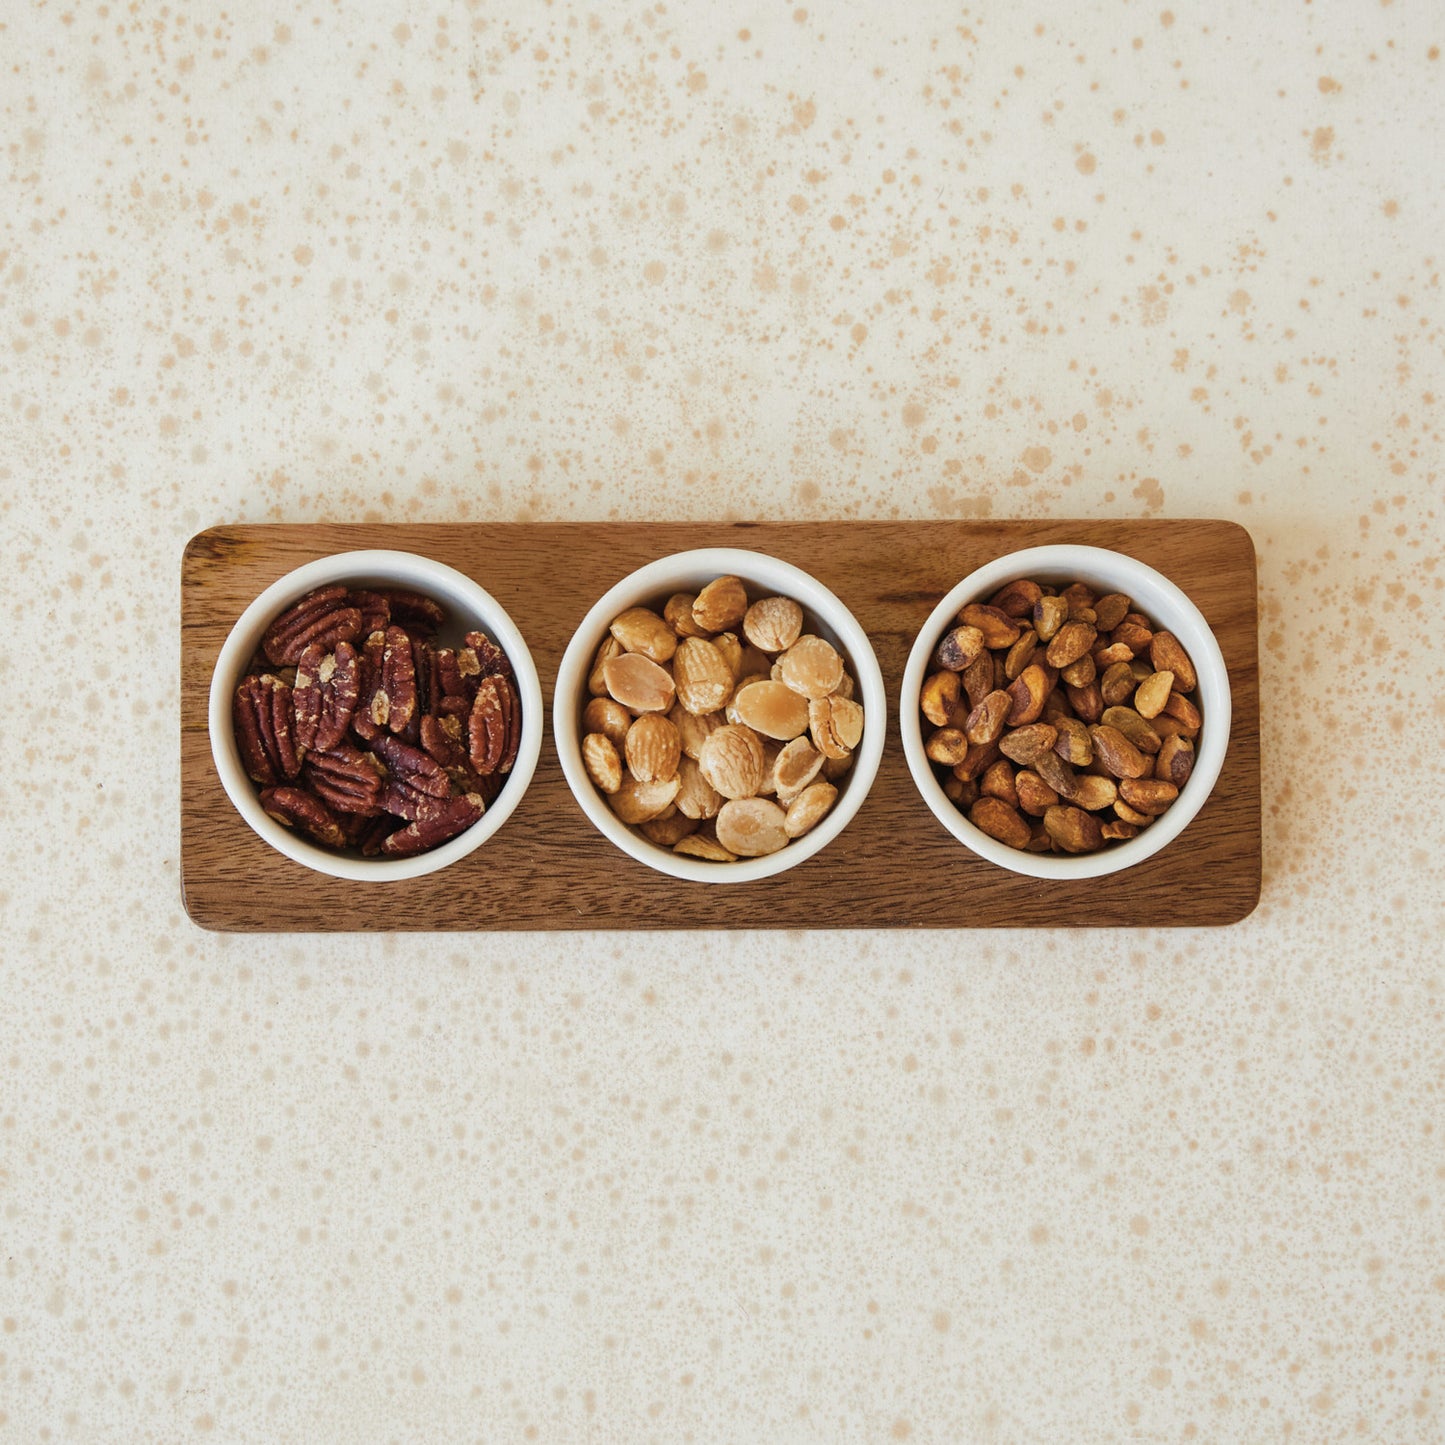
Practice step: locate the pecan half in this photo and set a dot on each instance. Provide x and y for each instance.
(375, 611)
(294, 809)
(246, 708)
(265, 729)
(398, 683)
(410, 765)
(455, 816)
(346, 779)
(494, 729)
(481, 657)
(411, 609)
(327, 687)
(322, 616)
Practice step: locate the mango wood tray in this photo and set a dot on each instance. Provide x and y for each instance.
(547, 868)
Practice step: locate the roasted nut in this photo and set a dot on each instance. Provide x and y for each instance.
(698, 845)
(1079, 673)
(678, 615)
(1017, 599)
(640, 629)
(1175, 760)
(1093, 792)
(732, 761)
(1087, 701)
(1167, 654)
(998, 628)
(1110, 610)
(1034, 795)
(1153, 693)
(1116, 753)
(721, 605)
(1020, 654)
(1056, 774)
(998, 782)
(696, 797)
(636, 802)
(669, 829)
(948, 747)
(1026, 744)
(653, 749)
(597, 675)
(772, 709)
(1071, 642)
(985, 724)
(835, 724)
(995, 818)
(1117, 831)
(1182, 710)
(940, 697)
(1130, 815)
(1072, 829)
(1050, 614)
(1026, 696)
(611, 719)
(959, 647)
(773, 624)
(975, 761)
(1074, 745)
(639, 684)
(604, 766)
(752, 827)
(1117, 684)
(1148, 795)
(809, 808)
(1134, 635)
(1127, 721)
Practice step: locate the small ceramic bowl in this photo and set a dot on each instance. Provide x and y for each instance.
(764, 576)
(1168, 608)
(469, 608)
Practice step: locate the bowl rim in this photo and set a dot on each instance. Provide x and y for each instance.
(385, 567)
(758, 569)
(1178, 614)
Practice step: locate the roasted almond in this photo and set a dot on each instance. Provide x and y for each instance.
(809, 808)
(812, 667)
(732, 651)
(611, 719)
(696, 797)
(835, 725)
(596, 678)
(772, 709)
(701, 674)
(698, 845)
(752, 827)
(640, 629)
(599, 757)
(653, 749)
(636, 802)
(773, 624)
(732, 761)
(670, 829)
(694, 728)
(678, 615)
(639, 684)
(795, 767)
(721, 605)
(999, 821)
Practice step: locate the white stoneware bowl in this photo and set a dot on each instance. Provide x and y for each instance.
(1168, 608)
(468, 606)
(764, 576)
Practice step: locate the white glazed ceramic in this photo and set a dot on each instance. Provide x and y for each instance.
(468, 606)
(764, 576)
(1168, 608)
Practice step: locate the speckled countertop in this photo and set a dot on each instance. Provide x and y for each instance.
(428, 261)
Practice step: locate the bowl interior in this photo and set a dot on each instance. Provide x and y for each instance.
(824, 615)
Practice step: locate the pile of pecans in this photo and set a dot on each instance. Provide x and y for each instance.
(1062, 721)
(718, 746)
(364, 734)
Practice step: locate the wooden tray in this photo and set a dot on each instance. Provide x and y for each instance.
(892, 867)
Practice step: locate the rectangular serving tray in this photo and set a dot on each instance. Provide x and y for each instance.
(547, 868)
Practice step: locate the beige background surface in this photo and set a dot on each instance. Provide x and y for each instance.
(547, 260)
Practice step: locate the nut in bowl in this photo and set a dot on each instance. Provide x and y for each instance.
(719, 715)
(1065, 711)
(375, 715)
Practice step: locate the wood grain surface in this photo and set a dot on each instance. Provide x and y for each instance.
(893, 867)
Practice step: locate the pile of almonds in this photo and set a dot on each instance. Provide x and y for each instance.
(718, 746)
(365, 735)
(1061, 721)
